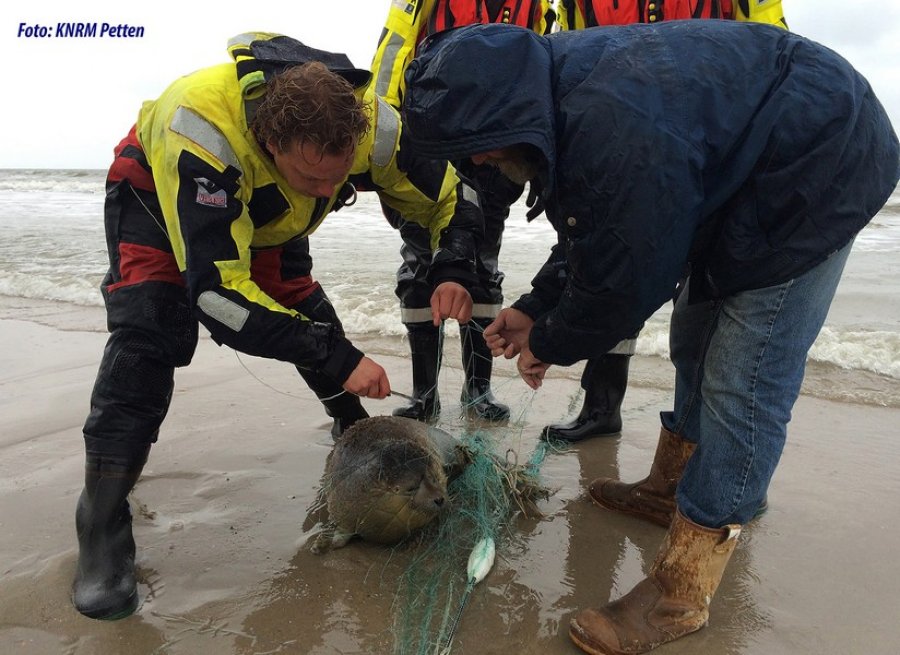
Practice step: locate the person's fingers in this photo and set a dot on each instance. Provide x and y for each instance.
(381, 386)
(496, 345)
(437, 309)
(463, 311)
(495, 342)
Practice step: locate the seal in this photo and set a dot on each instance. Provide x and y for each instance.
(387, 478)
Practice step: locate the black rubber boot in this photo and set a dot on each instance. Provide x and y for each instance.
(105, 586)
(346, 410)
(425, 348)
(604, 382)
(477, 397)
(344, 407)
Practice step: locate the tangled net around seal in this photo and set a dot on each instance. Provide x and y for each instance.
(489, 492)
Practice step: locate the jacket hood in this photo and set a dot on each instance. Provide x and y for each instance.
(259, 55)
(480, 88)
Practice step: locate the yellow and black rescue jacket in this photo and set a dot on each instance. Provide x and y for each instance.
(410, 21)
(579, 14)
(222, 197)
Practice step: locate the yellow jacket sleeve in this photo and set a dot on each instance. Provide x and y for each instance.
(405, 22)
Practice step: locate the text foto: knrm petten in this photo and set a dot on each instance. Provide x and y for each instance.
(81, 30)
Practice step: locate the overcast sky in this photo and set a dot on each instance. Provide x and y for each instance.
(68, 101)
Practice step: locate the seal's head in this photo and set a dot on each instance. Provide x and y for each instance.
(386, 480)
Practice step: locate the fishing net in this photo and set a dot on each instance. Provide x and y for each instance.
(492, 488)
(483, 499)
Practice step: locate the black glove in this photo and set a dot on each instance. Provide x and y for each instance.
(534, 202)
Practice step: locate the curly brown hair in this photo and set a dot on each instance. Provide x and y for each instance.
(310, 104)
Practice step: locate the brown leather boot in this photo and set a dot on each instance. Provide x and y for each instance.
(672, 601)
(653, 498)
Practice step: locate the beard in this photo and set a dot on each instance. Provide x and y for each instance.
(519, 170)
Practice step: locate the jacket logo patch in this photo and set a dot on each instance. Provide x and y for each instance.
(210, 194)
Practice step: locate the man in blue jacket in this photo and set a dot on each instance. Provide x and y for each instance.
(747, 155)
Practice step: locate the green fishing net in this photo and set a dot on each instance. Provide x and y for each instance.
(491, 489)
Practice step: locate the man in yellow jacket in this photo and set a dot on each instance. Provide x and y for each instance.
(407, 24)
(605, 379)
(209, 202)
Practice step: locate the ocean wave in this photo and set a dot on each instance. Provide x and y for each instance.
(870, 350)
(867, 350)
(377, 314)
(892, 207)
(71, 181)
(77, 291)
(882, 234)
(877, 351)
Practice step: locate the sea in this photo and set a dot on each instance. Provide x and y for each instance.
(54, 251)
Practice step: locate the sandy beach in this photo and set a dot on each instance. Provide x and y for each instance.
(222, 528)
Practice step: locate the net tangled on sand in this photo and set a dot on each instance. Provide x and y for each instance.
(483, 498)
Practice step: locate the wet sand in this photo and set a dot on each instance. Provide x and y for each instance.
(221, 507)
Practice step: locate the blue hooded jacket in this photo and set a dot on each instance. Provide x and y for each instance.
(742, 152)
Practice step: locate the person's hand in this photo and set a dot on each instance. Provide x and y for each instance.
(508, 334)
(451, 300)
(369, 380)
(531, 369)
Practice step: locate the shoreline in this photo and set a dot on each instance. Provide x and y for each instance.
(823, 380)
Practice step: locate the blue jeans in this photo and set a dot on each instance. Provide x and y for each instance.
(739, 363)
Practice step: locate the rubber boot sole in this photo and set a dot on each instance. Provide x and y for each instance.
(551, 436)
(109, 614)
(588, 648)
